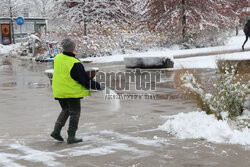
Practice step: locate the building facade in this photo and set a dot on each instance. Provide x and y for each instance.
(30, 26)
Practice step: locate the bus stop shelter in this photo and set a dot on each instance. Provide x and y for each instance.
(30, 26)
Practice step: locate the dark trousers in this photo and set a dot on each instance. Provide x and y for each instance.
(70, 108)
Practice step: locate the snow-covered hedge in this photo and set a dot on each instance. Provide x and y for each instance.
(230, 94)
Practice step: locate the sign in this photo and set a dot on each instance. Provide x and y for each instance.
(6, 38)
(19, 21)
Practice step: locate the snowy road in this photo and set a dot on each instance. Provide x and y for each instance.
(128, 137)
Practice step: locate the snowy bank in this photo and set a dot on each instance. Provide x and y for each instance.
(199, 125)
(191, 62)
(235, 56)
(6, 49)
(209, 61)
(232, 46)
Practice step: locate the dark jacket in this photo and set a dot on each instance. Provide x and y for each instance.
(248, 28)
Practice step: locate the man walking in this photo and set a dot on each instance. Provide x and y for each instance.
(70, 83)
(247, 33)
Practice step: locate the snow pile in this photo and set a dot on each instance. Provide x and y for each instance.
(5, 50)
(199, 125)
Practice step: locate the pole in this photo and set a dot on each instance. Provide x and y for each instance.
(11, 22)
(33, 46)
(12, 30)
(21, 31)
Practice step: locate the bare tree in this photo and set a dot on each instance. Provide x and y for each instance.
(40, 7)
(92, 11)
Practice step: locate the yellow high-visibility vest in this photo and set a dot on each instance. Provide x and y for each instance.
(63, 85)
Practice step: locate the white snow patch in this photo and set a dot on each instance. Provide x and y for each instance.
(102, 146)
(135, 117)
(104, 150)
(34, 37)
(49, 71)
(245, 115)
(6, 49)
(104, 59)
(196, 62)
(209, 61)
(5, 160)
(199, 125)
(47, 158)
(93, 152)
(136, 140)
(235, 56)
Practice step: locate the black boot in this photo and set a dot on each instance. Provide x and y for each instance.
(56, 134)
(72, 139)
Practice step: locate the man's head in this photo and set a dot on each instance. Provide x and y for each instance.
(68, 45)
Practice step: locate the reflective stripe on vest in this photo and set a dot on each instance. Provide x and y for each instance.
(63, 85)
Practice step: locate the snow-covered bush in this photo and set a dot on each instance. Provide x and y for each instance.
(228, 95)
(106, 39)
(231, 93)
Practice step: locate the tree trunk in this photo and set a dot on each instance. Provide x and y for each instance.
(237, 30)
(84, 22)
(85, 27)
(44, 9)
(12, 31)
(183, 2)
(11, 23)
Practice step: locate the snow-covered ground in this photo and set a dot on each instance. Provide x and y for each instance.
(208, 61)
(234, 44)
